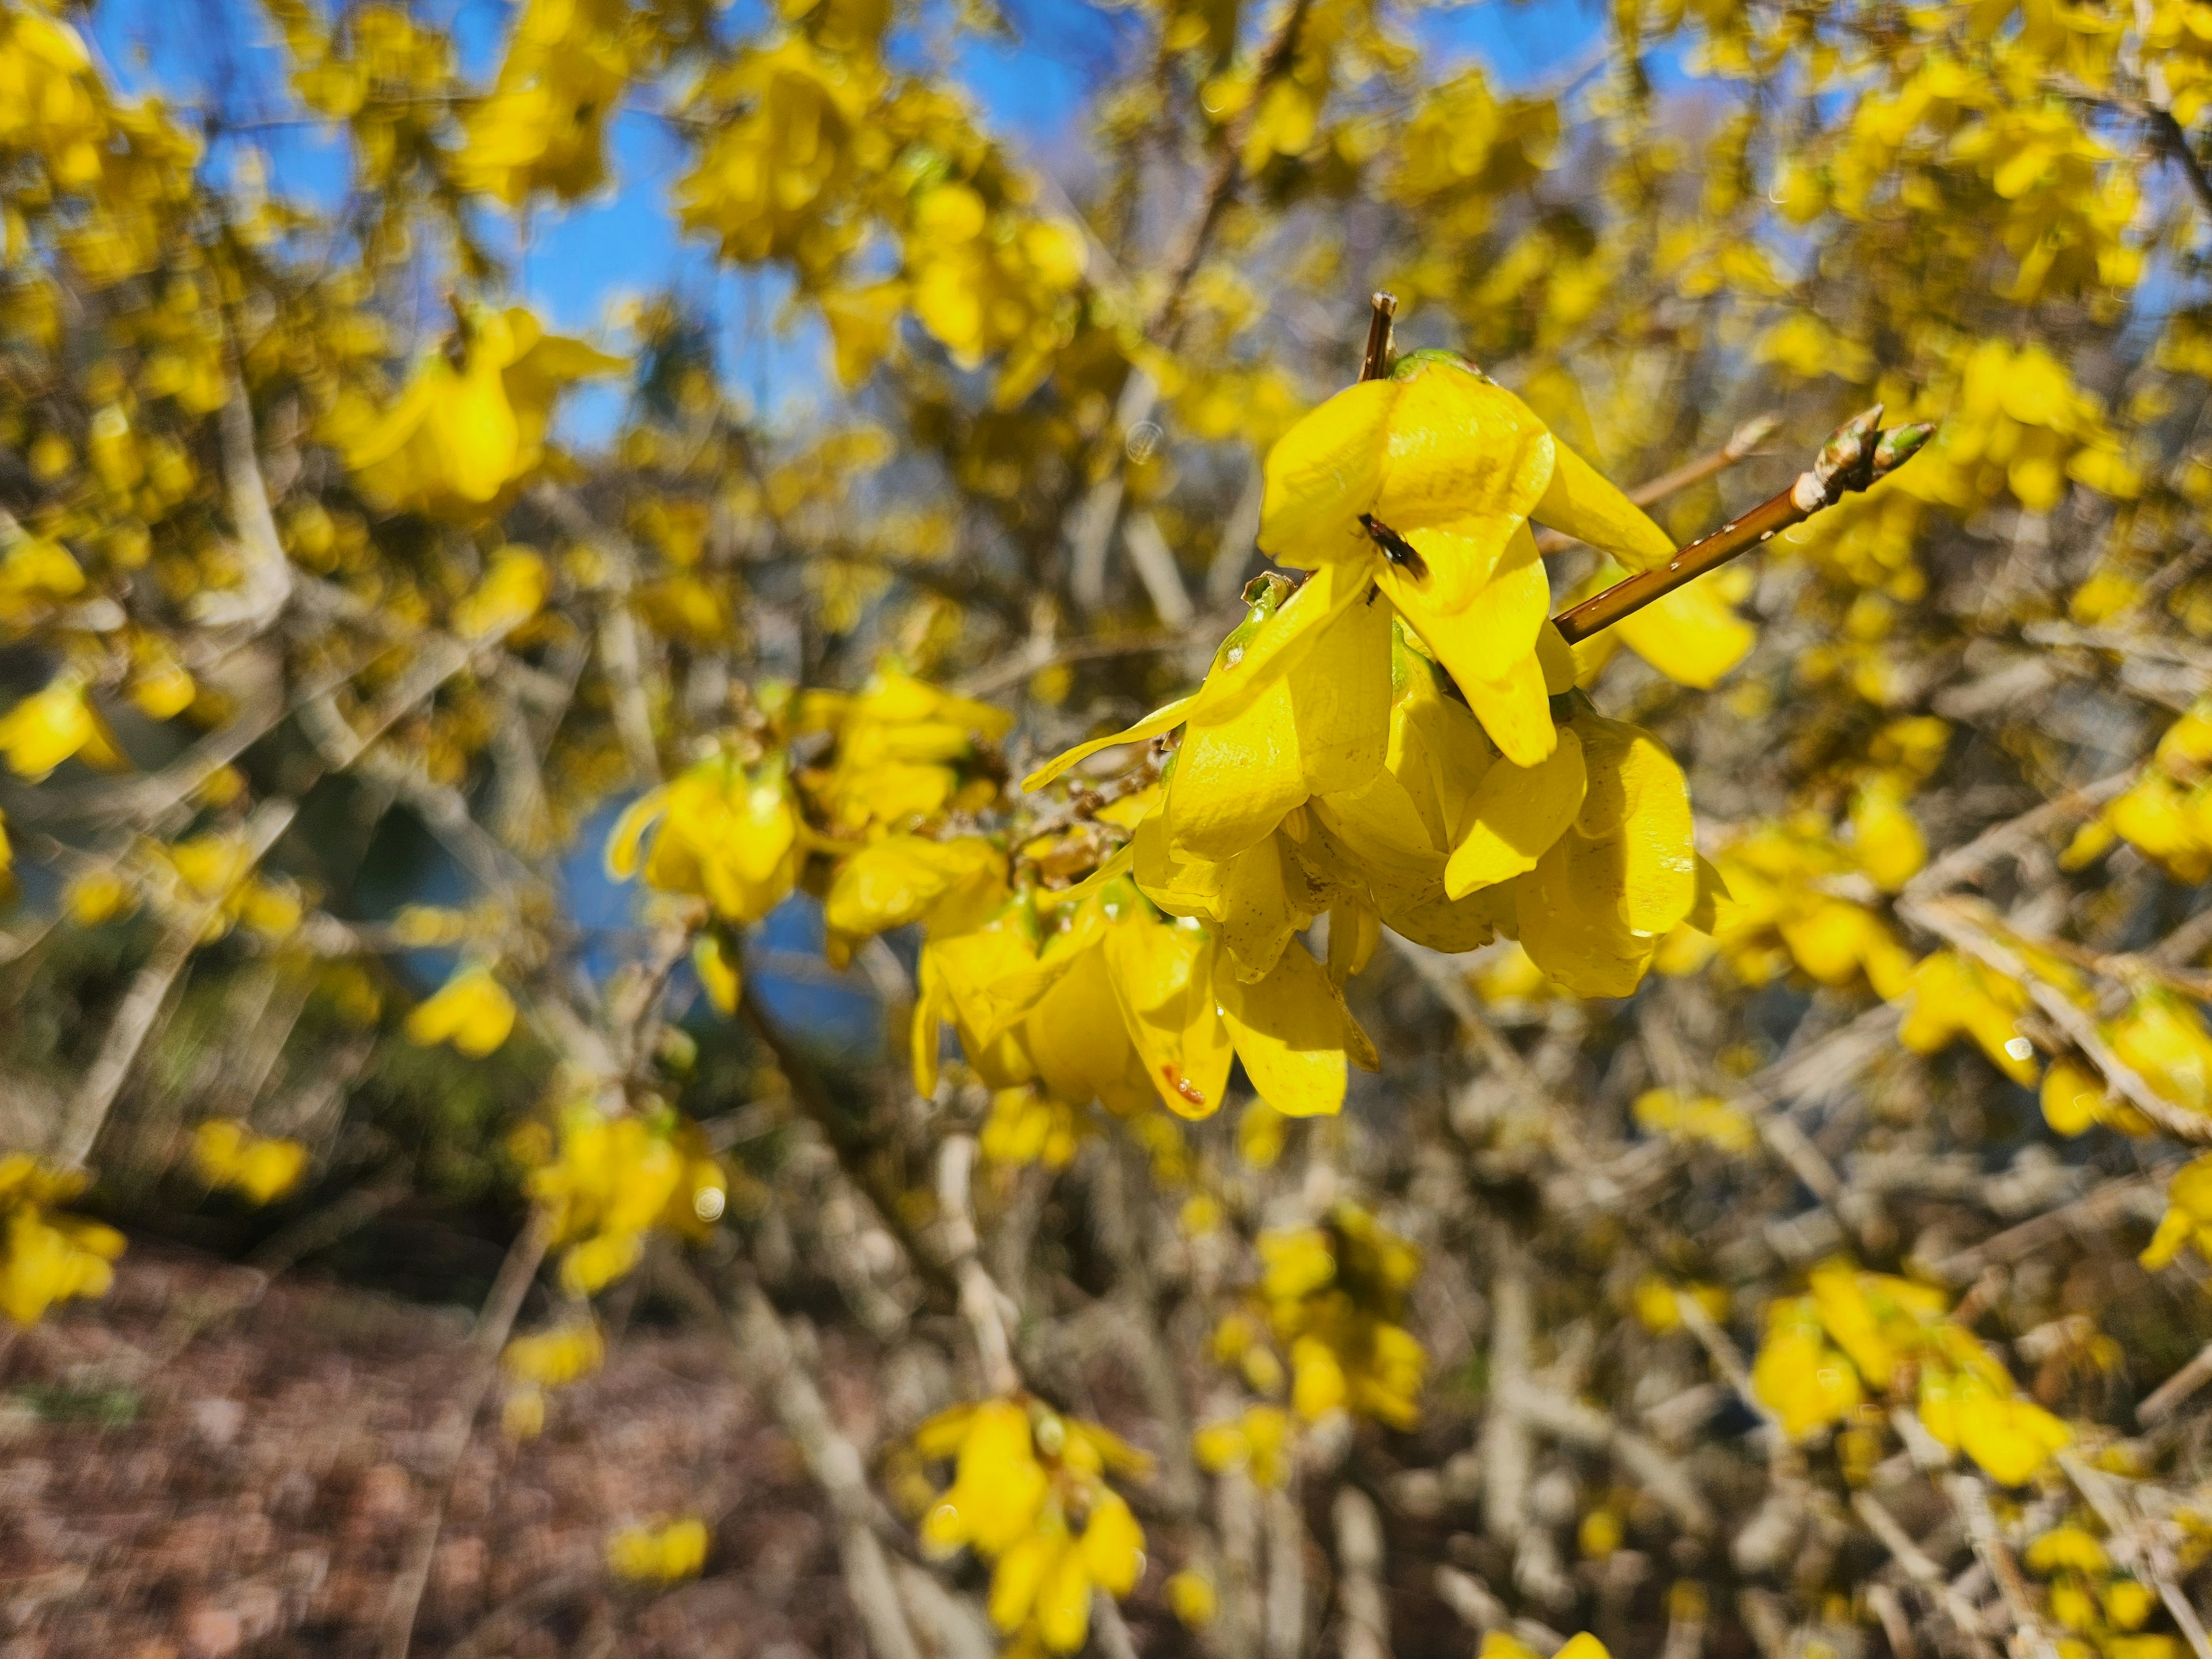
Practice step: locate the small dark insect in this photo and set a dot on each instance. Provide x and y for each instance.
(1395, 548)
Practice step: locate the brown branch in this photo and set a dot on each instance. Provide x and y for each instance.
(1022, 663)
(1221, 187)
(1997, 841)
(1858, 454)
(1374, 361)
(142, 1003)
(764, 1348)
(2098, 1208)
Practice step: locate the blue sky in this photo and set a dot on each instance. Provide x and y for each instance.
(1033, 91)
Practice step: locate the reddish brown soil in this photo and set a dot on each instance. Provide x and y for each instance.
(252, 1495)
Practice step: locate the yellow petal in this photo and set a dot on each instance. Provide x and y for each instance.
(1483, 639)
(1580, 502)
(1153, 725)
(1081, 1047)
(1063, 1609)
(624, 841)
(1459, 443)
(1113, 1546)
(1637, 806)
(1322, 474)
(1458, 559)
(1163, 978)
(1567, 914)
(1236, 778)
(1289, 1031)
(718, 974)
(1692, 635)
(1020, 1571)
(1514, 815)
(1515, 712)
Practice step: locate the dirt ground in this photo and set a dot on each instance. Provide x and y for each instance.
(252, 1494)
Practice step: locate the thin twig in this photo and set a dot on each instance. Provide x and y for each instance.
(1859, 454)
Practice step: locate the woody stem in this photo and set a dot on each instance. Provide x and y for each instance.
(1375, 361)
(1860, 452)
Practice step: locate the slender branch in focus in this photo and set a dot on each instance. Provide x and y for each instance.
(1861, 453)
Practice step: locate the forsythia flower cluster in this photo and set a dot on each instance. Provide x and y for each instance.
(662, 1554)
(45, 1257)
(473, 1011)
(1028, 1494)
(1332, 1297)
(1860, 1334)
(2101, 1610)
(2166, 814)
(1395, 742)
(609, 1180)
(258, 1168)
(468, 428)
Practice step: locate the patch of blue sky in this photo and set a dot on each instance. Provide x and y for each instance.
(1034, 87)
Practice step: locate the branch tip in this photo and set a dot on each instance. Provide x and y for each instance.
(1375, 361)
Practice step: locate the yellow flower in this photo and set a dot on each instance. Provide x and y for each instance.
(2010, 1438)
(47, 1258)
(1805, 1382)
(2074, 1099)
(906, 752)
(1026, 1128)
(544, 126)
(2128, 1604)
(470, 426)
(2068, 1546)
(512, 590)
(1020, 1472)
(1951, 995)
(1113, 1545)
(999, 1486)
(2188, 1219)
(552, 1357)
(1658, 1310)
(51, 725)
(1600, 1535)
(1455, 466)
(674, 1551)
(906, 879)
(720, 975)
(228, 1154)
(1704, 1118)
(723, 831)
(1259, 1443)
(1191, 1597)
(160, 685)
(471, 1011)
(96, 897)
(1890, 846)
(2164, 1039)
